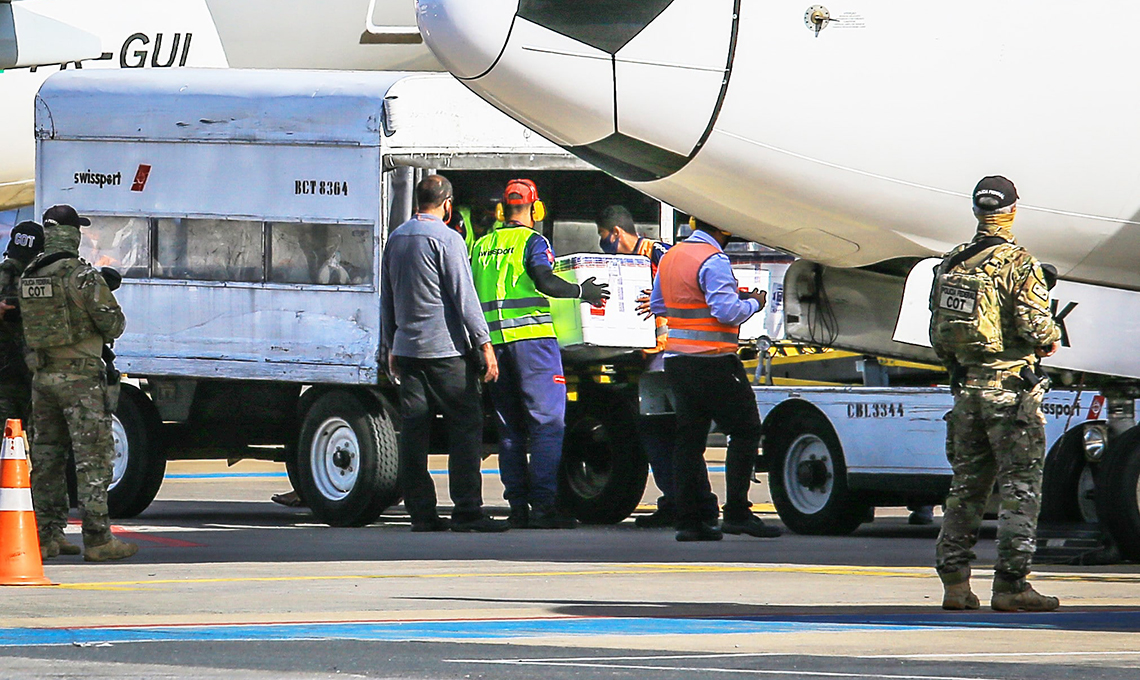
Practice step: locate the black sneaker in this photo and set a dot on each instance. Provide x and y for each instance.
(699, 532)
(519, 517)
(753, 526)
(482, 525)
(430, 524)
(658, 520)
(551, 519)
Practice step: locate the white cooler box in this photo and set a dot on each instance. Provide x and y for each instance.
(590, 333)
(768, 276)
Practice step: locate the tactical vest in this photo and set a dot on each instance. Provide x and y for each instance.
(692, 327)
(53, 313)
(512, 306)
(965, 307)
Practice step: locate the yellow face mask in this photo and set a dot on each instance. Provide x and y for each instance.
(1001, 221)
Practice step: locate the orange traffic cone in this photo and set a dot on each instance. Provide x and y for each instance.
(20, 563)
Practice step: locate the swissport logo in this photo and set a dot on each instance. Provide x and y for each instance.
(141, 176)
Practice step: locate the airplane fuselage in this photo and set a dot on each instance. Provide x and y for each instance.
(135, 34)
(850, 145)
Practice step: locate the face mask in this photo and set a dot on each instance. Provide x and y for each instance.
(610, 245)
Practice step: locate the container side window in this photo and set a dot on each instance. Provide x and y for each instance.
(331, 254)
(119, 242)
(209, 250)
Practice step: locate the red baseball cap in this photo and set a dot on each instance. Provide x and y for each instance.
(523, 188)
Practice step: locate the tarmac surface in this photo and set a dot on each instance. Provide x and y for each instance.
(230, 585)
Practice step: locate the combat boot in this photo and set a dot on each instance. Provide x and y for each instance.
(113, 549)
(958, 597)
(66, 548)
(61, 546)
(48, 548)
(1026, 600)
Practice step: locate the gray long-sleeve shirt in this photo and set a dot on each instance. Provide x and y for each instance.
(428, 305)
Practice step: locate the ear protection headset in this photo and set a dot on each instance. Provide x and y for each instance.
(529, 193)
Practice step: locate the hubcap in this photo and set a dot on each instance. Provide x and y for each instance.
(1086, 494)
(809, 474)
(121, 453)
(335, 458)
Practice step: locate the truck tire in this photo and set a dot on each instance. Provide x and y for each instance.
(808, 477)
(139, 463)
(293, 471)
(1118, 493)
(1067, 488)
(348, 464)
(604, 469)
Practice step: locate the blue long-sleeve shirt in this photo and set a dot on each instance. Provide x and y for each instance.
(719, 285)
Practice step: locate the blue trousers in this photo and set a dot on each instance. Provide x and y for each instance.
(530, 410)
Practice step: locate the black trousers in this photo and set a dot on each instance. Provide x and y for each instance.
(452, 388)
(707, 389)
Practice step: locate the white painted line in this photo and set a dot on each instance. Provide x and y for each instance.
(995, 655)
(16, 500)
(688, 669)
(743, 655)
(675, 657)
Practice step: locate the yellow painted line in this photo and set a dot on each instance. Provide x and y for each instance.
(640, 569)
(633, 569)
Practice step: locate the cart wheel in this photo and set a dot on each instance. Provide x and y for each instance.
(139, 463)
(808, 477)
(1118, 493)
(347, 460)
(604, 469)
(1068, 490)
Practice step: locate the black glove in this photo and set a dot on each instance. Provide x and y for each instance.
(113, 278)
(113, 374)
(957, 377)
(594, 293)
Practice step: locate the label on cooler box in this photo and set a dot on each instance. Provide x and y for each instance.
(614, 325)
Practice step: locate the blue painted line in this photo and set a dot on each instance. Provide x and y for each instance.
(1114, 620)
(421, 630)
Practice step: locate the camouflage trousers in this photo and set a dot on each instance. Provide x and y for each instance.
(69, 413)
(993, 434)
(16, 402)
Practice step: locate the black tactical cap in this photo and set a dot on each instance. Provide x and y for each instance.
(994, 193)
(26, 242)
(65, 214)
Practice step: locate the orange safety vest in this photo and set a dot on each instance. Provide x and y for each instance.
(692, 327)
(645, 249)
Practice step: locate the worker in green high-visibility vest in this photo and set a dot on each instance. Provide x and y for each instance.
(474, 223)
(513, 272)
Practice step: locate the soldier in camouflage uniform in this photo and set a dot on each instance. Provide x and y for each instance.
(25, 242)
(69, 313)
(990, 323)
